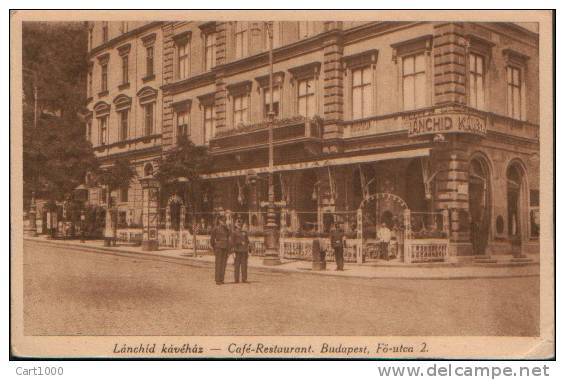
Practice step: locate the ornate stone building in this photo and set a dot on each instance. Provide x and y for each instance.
(372, 119)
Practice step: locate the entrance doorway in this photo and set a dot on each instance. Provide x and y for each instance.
(479, 205)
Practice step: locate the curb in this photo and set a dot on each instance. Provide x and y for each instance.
(191, 261)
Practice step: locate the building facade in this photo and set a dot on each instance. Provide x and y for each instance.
(430, 128)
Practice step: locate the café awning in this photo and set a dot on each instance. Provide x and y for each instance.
(353, 160)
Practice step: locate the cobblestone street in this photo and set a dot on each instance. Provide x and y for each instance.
(70, 292)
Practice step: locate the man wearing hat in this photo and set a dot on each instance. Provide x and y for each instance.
(337, 238)
(220, 242)
(240, 245)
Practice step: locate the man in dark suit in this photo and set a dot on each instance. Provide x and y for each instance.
(337, 238)
(220, 242)
(240, 245)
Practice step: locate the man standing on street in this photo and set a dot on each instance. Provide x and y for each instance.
(220, 242)
(240, 245)
(337, 238)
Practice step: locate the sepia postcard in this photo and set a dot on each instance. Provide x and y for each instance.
(282, 184)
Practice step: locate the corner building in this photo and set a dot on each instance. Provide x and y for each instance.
(430, 128)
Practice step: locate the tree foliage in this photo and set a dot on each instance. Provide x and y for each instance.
(116, 176)
(56, 155)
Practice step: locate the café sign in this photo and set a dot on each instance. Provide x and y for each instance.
(446, 123)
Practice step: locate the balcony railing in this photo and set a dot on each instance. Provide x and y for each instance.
(256, 135)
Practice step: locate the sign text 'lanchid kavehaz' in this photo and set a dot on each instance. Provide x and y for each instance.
(446, 123)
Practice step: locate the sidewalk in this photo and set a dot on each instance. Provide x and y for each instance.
(385, 270)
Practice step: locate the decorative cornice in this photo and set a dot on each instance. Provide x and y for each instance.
(101, 108)
(240, 88)
(196, 81)
(146, 94)
(514, 57)
(207, 99)
(361, 59)
(124, 49)
(278, 79)
(182, 38)
(122, 102)
(182, 105)
(422, 43)
(208, 27)
(149, 39)
(307, 70)
(104, 58)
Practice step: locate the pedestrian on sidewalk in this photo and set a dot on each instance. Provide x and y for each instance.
(383, 236)
(337, 238)
(220, 242)
(240, 245)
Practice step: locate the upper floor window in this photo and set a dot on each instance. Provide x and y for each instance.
(414, 87)
(124, 27)
(124, 192)
(104, 32)
(209, 122)
(305, 29)
(89, 131)
(362, 93)
(209, 51)
(104, 77)
(307, 97)
(241, 40)
(240, 109)
(123, 125)
(514, 92)
(125, 69)
(267, 101)
(476, 81)
(182, 60)
(149, 61)
(103, 130)
(89, 79)
(182, 123)
(148, 118)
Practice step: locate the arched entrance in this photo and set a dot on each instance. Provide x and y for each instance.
(479, 204)
(514, 197)
(381, 208)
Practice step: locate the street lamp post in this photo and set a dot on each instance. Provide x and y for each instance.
(272, 232)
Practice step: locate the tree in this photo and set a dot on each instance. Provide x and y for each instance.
(116, 176)
(56, 155)
(184, 161)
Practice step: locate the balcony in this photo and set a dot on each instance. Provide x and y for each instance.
(256, 136)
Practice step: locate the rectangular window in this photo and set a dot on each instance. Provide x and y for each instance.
(209, 123)
(125, 69)
(241, 40)
(267, 101)
(89, 131)
(476, 81)
(89, 89)
(182, 124)
(124, 27)
(123, 125)
(149, 61)
(209, 51)
(104, 32)
(103, 195)
(414, 81)
(124, 193)
(148, 118)
(103, 130)
(362, 93)
(305, 29)
(307, 98)
(240, 106)
(182, 64)
(514, 96)
(104, 79)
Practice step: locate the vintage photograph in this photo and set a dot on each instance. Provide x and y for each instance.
(223, 186)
